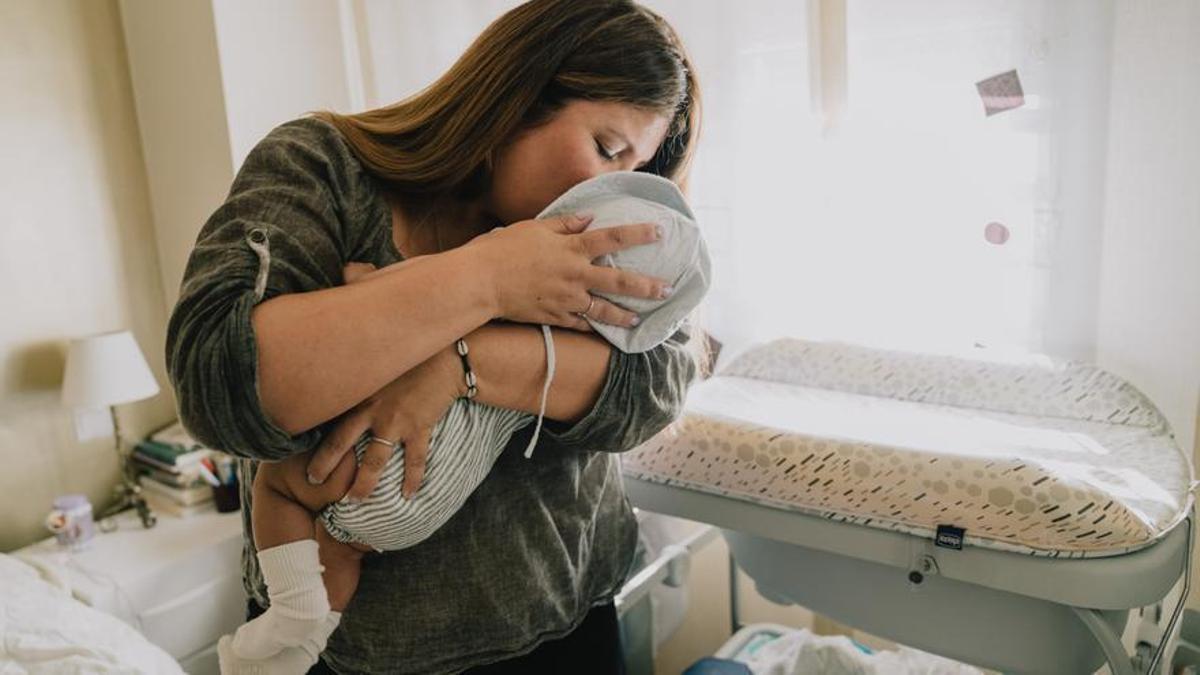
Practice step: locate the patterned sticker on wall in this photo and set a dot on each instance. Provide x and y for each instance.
(1001, 92)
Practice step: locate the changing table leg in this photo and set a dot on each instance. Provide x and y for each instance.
(1183, 595)
(1187, 585)
(1119, 661)
(734, 623)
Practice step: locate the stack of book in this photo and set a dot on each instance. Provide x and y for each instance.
(170, 465)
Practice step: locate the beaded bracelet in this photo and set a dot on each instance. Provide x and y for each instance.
(468, 374)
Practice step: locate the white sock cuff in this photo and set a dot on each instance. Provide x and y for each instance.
(316, 642)
(291, 565)
(332, 619)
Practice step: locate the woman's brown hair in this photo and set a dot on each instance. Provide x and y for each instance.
(439, 144)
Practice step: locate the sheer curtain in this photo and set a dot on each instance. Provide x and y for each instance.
(863, 219)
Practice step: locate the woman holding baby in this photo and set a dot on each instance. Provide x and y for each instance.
(325, 298)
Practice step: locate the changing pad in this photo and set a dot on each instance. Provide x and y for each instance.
(1038, 456)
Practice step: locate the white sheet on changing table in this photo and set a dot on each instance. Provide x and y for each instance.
(1042, 485)
(44, 630)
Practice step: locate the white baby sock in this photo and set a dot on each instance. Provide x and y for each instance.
(288, 661)
(299, 603)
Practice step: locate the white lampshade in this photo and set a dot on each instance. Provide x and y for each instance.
(105, 370)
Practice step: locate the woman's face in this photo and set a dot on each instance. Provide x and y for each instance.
(582, 140)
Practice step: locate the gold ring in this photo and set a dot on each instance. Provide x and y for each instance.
(591, 303)
(391, 444)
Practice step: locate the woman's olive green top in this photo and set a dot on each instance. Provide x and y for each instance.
(538, 543)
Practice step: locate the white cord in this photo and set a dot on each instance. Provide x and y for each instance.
(549, 339)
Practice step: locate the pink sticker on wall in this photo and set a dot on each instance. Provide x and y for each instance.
(1001, 92)
(996, 233)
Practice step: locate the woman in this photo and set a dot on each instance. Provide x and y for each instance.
(272, 354)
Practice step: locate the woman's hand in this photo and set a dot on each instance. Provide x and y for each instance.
(405, 411)
(542, 271)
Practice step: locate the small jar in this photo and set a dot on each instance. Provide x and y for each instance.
(71, 521)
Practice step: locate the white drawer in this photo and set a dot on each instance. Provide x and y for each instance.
(195, 619)
(203, 662)
(179, 583)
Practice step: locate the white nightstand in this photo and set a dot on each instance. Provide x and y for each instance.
(179, 583)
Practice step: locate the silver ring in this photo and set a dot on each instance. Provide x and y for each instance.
(391, 444)
(591, 303)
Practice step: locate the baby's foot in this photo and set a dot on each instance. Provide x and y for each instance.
(287, 661)
(272, 633)
(299, 602)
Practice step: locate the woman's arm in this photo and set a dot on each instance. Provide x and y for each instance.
(509, 361)
(312, 369)
(601, 398)
(264, 345)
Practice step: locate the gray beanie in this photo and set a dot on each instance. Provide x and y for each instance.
(681, 257)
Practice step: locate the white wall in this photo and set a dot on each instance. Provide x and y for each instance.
(279, 59)
(1149, 318)
(114, 159)
(77, 248)
(176, 80)
(1149, 326)
(401, 65)
(211, 78)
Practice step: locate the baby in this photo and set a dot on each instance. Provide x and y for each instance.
(304, 608)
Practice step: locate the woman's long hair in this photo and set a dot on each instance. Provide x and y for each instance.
(524, 67)
(440, 143)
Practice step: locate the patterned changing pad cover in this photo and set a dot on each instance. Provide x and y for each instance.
(1038, 456)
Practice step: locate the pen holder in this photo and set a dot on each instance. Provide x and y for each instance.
(226, 497)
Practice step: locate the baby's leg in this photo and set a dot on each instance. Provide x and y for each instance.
(288, 489)
(290, 558)
(278, 515)
(342, 563)
(292, 501)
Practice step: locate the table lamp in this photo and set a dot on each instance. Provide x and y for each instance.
(104, 371)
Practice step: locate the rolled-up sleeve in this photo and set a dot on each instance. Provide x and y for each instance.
(279, 231)
(642, 394)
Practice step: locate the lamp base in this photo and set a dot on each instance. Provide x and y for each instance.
(130, 494)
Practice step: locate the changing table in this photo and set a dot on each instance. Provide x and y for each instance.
(1007, 514)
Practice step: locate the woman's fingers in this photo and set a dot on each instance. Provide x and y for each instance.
(370, 467)
(606, 312)
(610, 239)
(615, 281)
(570, 224)
(416, 452)
(335, 446)
(570, 320)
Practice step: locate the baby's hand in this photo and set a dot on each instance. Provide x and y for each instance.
(355, 271)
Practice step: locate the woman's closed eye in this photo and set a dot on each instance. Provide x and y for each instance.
(608, 155)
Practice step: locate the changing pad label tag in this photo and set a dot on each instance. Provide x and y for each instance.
(949, 536)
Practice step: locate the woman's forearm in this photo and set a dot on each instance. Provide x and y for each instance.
(321, 353)
(509, 360)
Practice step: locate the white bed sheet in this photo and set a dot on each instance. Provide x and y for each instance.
(44, 630)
